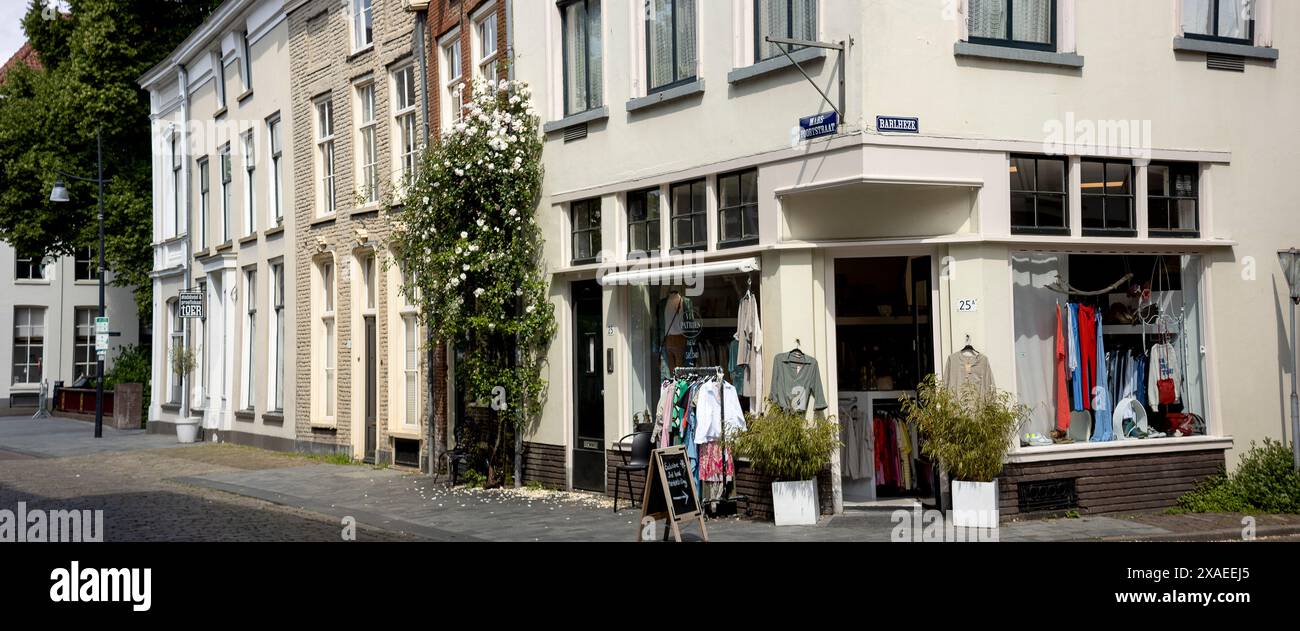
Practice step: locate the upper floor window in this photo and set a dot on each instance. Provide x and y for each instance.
(1228, 20)
(1038, 195)
(204, 208)
(1173, 199)
(586, 230)
(225, 192)
(325, 156)
(643, 221)
(277, 169)
(406, 131)
(1107, 192)
(176, 183)
(250, 199)
(738, 208)
(220, 79)
(367, 145)
(362, 26)
(245, 63)
(583, 56)
(454, 85)
(1018, 23)
(690, 222)
(29, 267)
(789, 19)
(486, 34)
(86, 267)
(671, 45)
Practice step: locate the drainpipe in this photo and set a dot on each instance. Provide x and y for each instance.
(184, 77)
(430, 436)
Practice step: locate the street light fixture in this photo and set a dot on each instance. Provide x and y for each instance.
(1291, 270)
(60, 194)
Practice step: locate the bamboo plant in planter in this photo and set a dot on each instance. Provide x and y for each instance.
(969, 433)
(791, 450)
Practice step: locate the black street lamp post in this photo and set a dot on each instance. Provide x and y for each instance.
(60, 194)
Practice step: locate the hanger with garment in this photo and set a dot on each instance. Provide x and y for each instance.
(969, 349)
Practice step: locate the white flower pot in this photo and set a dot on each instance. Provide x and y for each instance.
(975, 504)
(187, 431)
(795, 503)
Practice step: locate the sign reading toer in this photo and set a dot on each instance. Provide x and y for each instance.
(191, 304)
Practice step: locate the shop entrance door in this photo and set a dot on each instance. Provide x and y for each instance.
(884, 333)
(588, 388)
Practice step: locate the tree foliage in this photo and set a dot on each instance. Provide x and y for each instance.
(91, 58)
(471, 250)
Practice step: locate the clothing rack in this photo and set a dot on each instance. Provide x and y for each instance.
(727, 497)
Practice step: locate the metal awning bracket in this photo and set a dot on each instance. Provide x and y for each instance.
(787, 44)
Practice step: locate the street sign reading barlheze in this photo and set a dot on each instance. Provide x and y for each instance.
(191, 304)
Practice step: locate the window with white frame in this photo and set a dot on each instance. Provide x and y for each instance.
(176, 344)
(176, 183)
(329, 355)
(276, 391)
(1225, 20)
(204, 203)
(273, 127)
(362, 24)
(453, 84)
(250, 198)
(245, 63)
(410, 352)
(225, 193)
(486, 48)
(29, 267)
(325, 156)
(405, 126)
(250, 338)
(1016, 23)
(671, 47)
(220, 78)
(85, 265)
(789, 19)
(200, 348)
(583, 55)
(367, 145)
(29, 345)
(83, 350)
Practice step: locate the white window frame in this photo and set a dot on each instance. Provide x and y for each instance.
(200, 338)
(249, 384)
(366, 102)
(227, 182)
(175, 340)
(219, 78)
(91, 262)
(410, 319)
(324, 126)
(205, 199)
(275, 384)
(562, 62)
(451, 70)
(177, 161)
(405, 128)
(248, 142)
(245, 63)
(487, 55)
(275, 149)
(325, 283)
(32, 313)
(362, 14)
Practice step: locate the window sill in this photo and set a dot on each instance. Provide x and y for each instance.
(271, 232)
(248, 416)
(1040, 232)
(252, 238)
(589, 116)
(224, 247)
(31, 281)
(361, 51)
(170, 407)
(775, 64)
(671, 94)
(368, 209)
(86, 282)
(221, 111)
(406, 434)
(322, 220)
(741, 243)
(244, 96)
(1118, 447)
(1193, 45)
(1116, 234)
(325, 425)
(273, 418)
(1008, 53)
(1174, 234)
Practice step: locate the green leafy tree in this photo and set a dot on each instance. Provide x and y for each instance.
(91, 58)
(472, 254)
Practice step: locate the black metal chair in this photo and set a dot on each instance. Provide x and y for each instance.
(636, 460)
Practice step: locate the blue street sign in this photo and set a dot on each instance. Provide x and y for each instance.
(898, 124)
(811, 127)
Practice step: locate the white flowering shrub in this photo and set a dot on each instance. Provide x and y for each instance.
(470, 243)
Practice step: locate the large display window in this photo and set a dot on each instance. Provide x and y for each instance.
(1109, 347)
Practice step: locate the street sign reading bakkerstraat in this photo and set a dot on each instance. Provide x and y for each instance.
(191, 304)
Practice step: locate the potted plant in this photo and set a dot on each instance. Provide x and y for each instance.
(791, 450)
(969, 433)
(183, 361)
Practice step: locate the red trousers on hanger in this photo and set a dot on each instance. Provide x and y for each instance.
(1088, 352)
(1062, 388)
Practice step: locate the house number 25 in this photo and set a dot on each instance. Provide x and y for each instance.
(968, 305)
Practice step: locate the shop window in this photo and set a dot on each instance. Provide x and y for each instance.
(1142, 377)
(1173, 199)
(1224, 20)
(586, 231)
(583, 56)
(1039, 201)
(738, 208)
(29, 345)
(1107, 192)
(1017, 23)
(690, 223)
(789, 19)
(643, 222)
(671, 44)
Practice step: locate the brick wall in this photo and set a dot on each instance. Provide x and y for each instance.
(444, 16)
(322, 62)
(1118, 483)
(546, 465)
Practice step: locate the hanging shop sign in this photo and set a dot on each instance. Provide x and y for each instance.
(670, 494)
(827, 124)
(191, 304)
(898, 124)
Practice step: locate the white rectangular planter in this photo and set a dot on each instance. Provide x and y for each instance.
(795, 503)
(975, 504)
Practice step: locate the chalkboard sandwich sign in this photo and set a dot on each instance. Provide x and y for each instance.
(670, 494)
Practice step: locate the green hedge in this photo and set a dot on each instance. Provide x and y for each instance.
(1265, 482)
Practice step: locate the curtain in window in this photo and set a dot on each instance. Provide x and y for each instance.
(1234, 18)
(661, 42)
(804, 14)
(988, 18)
(1034, 314)
(773, 19)
(575, 43)
(595, 56)
(686, 45)
(1031, 21)
(1197, 16)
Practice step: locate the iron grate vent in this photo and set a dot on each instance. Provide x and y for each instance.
(576, 132)
(406, 452)
(1232, 63)
(1047, 495)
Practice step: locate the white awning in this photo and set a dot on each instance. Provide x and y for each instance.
(654, 271)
